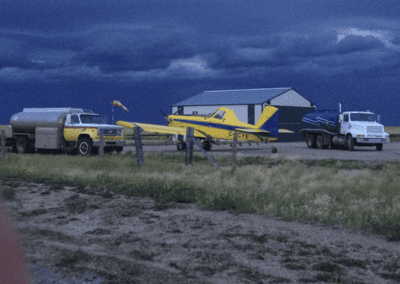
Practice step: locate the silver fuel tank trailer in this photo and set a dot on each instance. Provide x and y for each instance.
(31, 118)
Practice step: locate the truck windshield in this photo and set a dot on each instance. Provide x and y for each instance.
(95, 119)
(362, 117)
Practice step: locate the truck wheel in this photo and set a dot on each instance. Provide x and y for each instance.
(379, 147)
(84, 146)
(310, 140)
(350, 142)
(320, 142)
(119, 149)
(21, 145)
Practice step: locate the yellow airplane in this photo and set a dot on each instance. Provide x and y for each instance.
(222, 124)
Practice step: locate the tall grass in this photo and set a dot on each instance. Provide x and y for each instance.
(392, 130)
(353, 194)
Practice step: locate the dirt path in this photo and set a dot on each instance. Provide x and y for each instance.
(129, 240)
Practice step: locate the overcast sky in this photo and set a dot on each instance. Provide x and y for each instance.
(152, 54)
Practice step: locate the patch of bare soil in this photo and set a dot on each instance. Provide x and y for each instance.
(125, 239)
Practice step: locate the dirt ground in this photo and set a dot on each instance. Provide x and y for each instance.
(123, 239)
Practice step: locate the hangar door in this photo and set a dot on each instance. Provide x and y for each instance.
(290, 118)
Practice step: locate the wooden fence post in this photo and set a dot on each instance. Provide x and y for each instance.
(139, 148)
(205, 153)
(3, 144)
(234, 150)
(101, 148)
(189, 145)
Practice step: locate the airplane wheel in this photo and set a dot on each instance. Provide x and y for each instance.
(207, 145)
(274, 150)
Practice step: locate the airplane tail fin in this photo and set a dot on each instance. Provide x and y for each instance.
(269, 120)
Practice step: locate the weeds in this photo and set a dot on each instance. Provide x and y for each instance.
(71, 258)
(325, 191)
(260, 239)
(9, 193)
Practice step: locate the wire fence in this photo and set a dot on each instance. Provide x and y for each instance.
(138, 143)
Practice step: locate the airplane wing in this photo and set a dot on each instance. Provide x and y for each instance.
(261, 131)
(158, 128)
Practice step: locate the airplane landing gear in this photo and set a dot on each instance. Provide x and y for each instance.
(273, 149)
(207, 145)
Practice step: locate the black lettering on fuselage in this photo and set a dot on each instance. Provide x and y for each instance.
(241, 136)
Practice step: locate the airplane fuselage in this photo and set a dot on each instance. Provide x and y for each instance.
(216, 128)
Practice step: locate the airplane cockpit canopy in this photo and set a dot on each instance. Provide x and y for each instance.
(220, 115)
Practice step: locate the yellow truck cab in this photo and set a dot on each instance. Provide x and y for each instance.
(82, 131)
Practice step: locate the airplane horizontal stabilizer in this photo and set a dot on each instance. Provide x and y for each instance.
(281, 130)
(250, 130)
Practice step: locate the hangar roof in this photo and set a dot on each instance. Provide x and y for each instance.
(233, 97)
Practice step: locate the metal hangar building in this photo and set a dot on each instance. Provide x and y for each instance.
(249, 104)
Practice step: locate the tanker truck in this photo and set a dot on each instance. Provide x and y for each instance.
(72, 130)
(327, 128)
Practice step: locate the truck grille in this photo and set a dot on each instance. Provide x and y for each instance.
(372, 129)
(109, 132)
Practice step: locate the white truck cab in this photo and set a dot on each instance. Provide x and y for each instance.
(363, 127)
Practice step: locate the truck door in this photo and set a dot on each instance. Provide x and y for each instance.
(71, 132)
(344, 126)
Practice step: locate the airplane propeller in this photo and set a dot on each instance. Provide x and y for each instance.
(166, 116)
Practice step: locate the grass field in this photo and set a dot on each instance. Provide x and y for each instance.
(353, 194)
(392, 130)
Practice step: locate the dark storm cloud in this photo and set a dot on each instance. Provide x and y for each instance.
(243, 38)
(137, 49)
(166, 51)
(357, 43)
(12, 54)
(292, 51)
(396, 40)
(31, 41)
